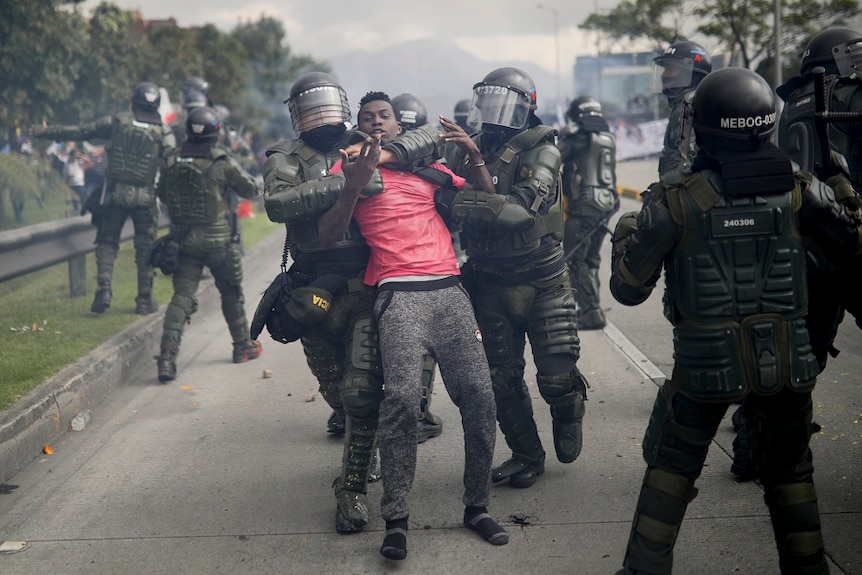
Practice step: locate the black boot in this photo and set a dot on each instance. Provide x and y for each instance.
(145, 305)
(102, 300)
(166, 363)
(568, 429)
(520, 472)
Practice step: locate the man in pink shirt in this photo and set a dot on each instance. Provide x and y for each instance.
(421, 309)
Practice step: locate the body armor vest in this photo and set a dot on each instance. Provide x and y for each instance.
(737, 294)
(194, 197)
(797, 135)
(511, 166)
(134, 151)
(303, 234)
(591, 178)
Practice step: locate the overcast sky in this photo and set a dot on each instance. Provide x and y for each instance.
(492, 30)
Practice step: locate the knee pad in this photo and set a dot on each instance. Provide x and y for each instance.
(361, 395)
(553, 324)
(497, 336)
(365, 346)
(179, 312)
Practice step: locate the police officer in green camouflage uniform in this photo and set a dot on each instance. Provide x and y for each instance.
(137, 141)
(193, 184)
(588, 150)
(729, 239)
(517, 275)
(341, 350)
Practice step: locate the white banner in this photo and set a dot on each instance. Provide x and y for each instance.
(639, 140)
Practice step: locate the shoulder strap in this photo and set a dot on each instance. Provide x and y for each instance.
(526, 140)
(437, 177)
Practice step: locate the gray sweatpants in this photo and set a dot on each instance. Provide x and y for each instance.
(438, 322)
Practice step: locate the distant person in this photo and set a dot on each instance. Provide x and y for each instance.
(421, 309)
(73, 175)
(138, 141)
(676, 74)
(409, 111)
(193, 184)
(588, 150)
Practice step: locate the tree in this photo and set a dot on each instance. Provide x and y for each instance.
(742, 28)
(41, 54)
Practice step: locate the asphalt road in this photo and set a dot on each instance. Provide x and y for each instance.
(228, 471)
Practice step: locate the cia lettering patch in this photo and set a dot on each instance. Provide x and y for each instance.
(742, 224)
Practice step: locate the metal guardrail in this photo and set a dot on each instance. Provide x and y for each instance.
(33, 248)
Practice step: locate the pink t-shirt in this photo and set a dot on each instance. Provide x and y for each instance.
(406, 235)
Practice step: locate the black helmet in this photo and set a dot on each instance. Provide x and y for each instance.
(680, 68)
(203, 125)
(194, 99)
(733, 108)
(505, 97)
(462, 109)
(146, 96)
(317, 99)
(409, 111)
(818, 51)
(197, 84)
(146, 99)
(587, 111)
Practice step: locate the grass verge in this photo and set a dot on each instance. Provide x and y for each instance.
(42, 329)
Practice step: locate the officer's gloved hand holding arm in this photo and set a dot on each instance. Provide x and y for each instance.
(357, 173)
(640, 242)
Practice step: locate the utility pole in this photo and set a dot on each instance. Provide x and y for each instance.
(556, 53)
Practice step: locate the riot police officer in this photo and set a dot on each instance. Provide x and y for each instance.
(676, 74)
(517, 274)
(193, 185)
(410, 112)
(341, 350)
(460, 113)
(137, 143)
(728, 240)
(588, 150)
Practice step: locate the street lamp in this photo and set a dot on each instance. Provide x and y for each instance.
(556, 50)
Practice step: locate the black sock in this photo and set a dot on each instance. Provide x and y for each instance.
(395, 541)
(477, 519)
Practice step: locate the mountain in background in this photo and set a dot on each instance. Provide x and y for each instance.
(437, 72)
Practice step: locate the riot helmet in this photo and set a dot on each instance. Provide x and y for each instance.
(146, 99)
(818, 51)
(194, 99)
(505, 98)
(587, 111)
(680, 68)
(462, 109)
(203, 125)
(317, 99)
(848, 58)
(409, 111)
(734, 109)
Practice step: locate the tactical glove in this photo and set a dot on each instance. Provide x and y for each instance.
(844, 192)
(626, 226)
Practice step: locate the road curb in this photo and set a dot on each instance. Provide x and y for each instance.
(42, 416)
(629, 192)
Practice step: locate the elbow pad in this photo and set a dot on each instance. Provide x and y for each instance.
(305, 201)
(479, 208)
(822, 218)
(648, 245)
(423, 143)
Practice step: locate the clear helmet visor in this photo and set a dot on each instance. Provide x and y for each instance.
(318, 106)
(498, 105)
(848, 58)
(671, 74)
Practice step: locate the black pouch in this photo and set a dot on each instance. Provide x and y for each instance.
(272, 312)
(165, 252)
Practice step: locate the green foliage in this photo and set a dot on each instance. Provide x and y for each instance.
(40, 320)
(744, 29)
(59, 67)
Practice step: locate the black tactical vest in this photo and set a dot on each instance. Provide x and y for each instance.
(192, 195)
(134, 151)
(595, 182)
(303, 234)
(736, 285)
(512, 165)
